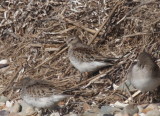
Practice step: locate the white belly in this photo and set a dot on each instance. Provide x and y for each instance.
(87, 66)
(43, 102)
(142, 80)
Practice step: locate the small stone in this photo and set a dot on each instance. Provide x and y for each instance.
(109, 110)
(142, 114)
(140, 108)
(121, 114)
(71, 114)
(4, 113)
(118, 104)
(4, 61)
(55, 114)
(153, 106)
(13, 114)
(150, 107)
(3, 99)
(95, 111)
(106, 115)
(91, 113)
(26, 109)
(131, 109)
(9, 104)
(15, 108)
(2, 105)
(136, 114)
(153, 113)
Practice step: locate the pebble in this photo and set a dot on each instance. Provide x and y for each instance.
(153, 113)
(121, 114)
(140, 107)
(141, 114)
(109, 110)
(26, 109)
(104, 111)
(55, 114)
(150, 107)
(2, 105)
(13, 114)
(20, 108)
(140, 110)
(3, 99)
(92, 112)
(71, 114)
(118, 104)
(9, 104)
(136, 114)
(106, 115)
(15, 108)
(95, 114)
(131, 109)
(4, 113)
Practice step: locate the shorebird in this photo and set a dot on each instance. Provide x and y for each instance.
(145, 74)
(84, 58)
(39, 93)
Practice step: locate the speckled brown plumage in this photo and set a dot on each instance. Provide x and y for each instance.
(39, 93)
(85, 58)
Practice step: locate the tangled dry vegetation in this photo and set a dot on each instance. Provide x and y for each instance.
(33, 34)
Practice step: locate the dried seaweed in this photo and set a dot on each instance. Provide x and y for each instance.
(33, 35)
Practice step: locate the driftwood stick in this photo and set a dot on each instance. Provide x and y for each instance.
(52, 57)
(11, 81)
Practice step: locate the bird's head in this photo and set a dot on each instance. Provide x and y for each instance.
(73, 40)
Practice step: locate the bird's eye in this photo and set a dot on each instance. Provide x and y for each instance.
(71, 39)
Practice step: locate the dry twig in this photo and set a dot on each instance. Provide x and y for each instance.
(106, 22)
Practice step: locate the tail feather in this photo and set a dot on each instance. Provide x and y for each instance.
(111, 61)
(60, 97)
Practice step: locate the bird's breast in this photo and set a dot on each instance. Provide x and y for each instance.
(86, 66)
(142, 79)
(42, 102)
(141, 73)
